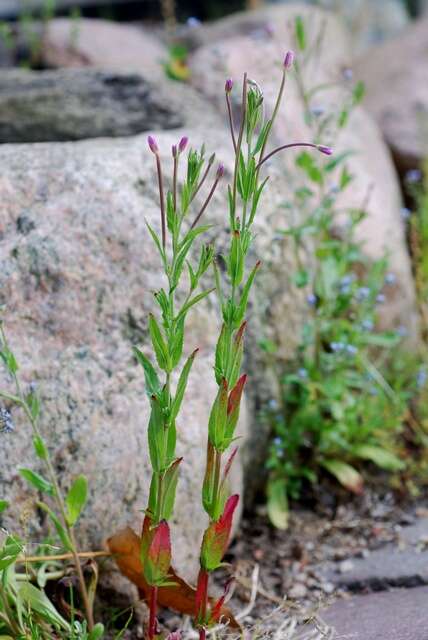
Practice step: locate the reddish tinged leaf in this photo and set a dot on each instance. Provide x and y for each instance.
(158, 556)
(125, 546)
(216, 610)
(227, 468)
(202, 598)
(235, 395)
(218, 416)
(216, 537)
(240, 333)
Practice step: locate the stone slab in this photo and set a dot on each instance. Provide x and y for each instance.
(395, 615)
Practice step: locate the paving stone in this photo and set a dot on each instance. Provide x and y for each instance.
(394, 615)
(388, 567)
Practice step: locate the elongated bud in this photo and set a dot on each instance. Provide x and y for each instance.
(327, 150)
(174, 150)
(211, 159)
(220, 171)
(228, 85)
(216, 537)
(152, 144)
(183, 143)
(289, 59)
(158, 558)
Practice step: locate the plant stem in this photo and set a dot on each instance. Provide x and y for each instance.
(153, 607)
(229, 111)
(161, 199)
(285, 146)
(206, 203)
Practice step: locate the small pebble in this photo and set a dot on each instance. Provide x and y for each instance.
(346, 566)
(297, 592)
(328, 587)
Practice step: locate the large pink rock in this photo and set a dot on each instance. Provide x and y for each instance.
(396, 78)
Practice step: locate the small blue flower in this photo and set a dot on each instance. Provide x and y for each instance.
(351, 349)
(390, 278)
(317, 111)
(348, 279)
(337, 346)
(193, 22)
(302, 373)
(272, 404)
(311, 299)
(373, 391)
(348, 74)
(334, 188)
(6, 423)
(277, 442)
(362, 293)
(405, 213)
(367, 325)
(402, 331)
(413, 176)
(380, 298)
(421, 377)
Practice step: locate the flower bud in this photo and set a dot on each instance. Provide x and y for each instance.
(327, 150)
(183, 143)
(289, 59)
(152, 144)
(220, 171)
(228, 85)
(174, 150)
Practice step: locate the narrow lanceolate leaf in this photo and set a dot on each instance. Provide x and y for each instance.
(380, 457)
(236, 260)
(277, 503)
(181, 386)
(233, 409)
(37, 601)
(159, 344)
(169, 486)
(10, 550)
(40, 448)
(216, 537)
(76, 499)
(221, 352)
(345, 474)
(193, 301)
(218, 417)
(237, 353)
(158, 558)
(176, 343)
(58, 526)
(156, 435)
(37, 481)
(158, 245)
(150, 376)
(208, 484)
(242, 307)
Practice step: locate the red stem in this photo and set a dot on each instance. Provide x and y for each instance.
(162, 199)
(153, 607)
(202, 600)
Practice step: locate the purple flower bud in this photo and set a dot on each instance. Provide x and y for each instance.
(220, 171)
(289, 59)
(183, 143)
(174, 150)
(327, 150)
(228, 85)
(152, 144)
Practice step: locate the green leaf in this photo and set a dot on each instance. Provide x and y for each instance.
(158, 245)
(58, 526)
(97, 632)
(358, 92)
(176, 343)
(300, 32)
(11, 549)
(337, 160)
(150, 375)
(277, 503)
(3, 505)
(345, 474)
(159, 344)
(242, 306)
(193, 301)
(307, 163)
(37, 481)
(40, 603)
(170, 485)
(76, 499)
(181, 386)
(380, 457)
(40, 448)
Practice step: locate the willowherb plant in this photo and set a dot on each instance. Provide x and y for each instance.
(181, 228)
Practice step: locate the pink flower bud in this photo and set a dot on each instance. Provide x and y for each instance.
(183, 143)
(228, 85)
(289, 59)
(220, 171)
(327, 150)
(152, 144)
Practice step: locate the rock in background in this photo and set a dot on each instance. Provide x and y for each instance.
(396, 77)
(44, 106)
